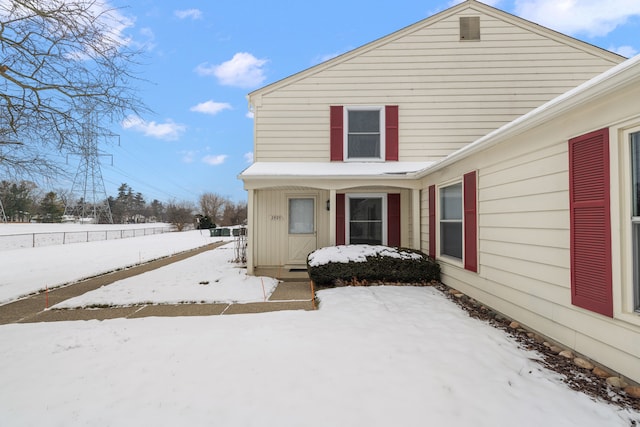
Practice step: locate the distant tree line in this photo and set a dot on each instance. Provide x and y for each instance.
(24, 201)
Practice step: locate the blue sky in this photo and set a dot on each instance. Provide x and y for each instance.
(201, 58)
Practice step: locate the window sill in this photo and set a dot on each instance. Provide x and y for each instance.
(631, 318)
(365, 160)
(456, 262)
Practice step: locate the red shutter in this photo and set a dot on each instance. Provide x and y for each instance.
(591, 278)
(432, 221)
(470, 222)
(391, 132)
(393, 219)
(340, 219)
(336, 118)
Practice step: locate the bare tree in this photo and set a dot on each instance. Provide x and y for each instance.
(180, 214)
(61, 60)
(234, 213)
(211, 205)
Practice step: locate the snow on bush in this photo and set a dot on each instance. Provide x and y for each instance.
(370, 263)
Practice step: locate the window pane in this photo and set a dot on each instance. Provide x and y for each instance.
(451, 239)
(364, 121)
(636, 266)
(365, 220)
(365, 233)
(451, 202)
(363, 146)
(301, 216)
(635, 165)
(365, 209)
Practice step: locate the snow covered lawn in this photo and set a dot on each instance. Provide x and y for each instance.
(208, 277)
(29, 270)
(378, 356)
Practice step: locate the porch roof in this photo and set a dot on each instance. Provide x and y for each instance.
(332, 170)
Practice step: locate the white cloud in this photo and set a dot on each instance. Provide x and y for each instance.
(591, 17)
(249, 114)
(626, 51)
(319, 59)
(215, 160)
(146, 41)
(243, 70)
(169, 130)
(188, 13)
(248, 157)
(211, 107)
(188, 156)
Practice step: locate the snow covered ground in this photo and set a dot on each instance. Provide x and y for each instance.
(374, 356)
(208, 277)
(29, 270)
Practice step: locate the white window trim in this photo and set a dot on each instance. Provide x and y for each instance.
(621, 215)
(381, 110)
(444, 257)
(629, 292)
(347, 216)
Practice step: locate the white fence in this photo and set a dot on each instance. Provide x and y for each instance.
(33, 240)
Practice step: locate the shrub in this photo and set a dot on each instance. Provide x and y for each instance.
(370, 264)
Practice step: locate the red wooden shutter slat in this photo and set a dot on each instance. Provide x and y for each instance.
(470, 222)
(391, 132)
(336, 119)
(393, 219)
(340, 219)
(590, 222)
(432, 221)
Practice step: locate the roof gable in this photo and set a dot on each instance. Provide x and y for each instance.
(465, 8)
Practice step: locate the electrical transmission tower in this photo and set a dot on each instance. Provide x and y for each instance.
(3, 217)
(88, 197)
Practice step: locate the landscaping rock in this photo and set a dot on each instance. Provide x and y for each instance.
(617, 382)
(601, 373)
(566, 354)
(555, 349)
(514, 325)
(585, 364)
(633, 391)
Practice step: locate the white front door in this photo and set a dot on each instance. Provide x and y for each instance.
(302, 229)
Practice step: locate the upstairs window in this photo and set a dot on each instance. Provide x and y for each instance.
(364, 133)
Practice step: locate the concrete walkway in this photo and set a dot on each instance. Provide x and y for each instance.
(287, 296)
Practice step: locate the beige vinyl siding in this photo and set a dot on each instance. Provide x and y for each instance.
(450, 92)
(524, 243)
(271, 216)
(271, 219)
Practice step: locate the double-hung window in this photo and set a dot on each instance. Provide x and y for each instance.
(367, 219)
(453, 213)
(635, 215)
(451, 220)
(364, 133)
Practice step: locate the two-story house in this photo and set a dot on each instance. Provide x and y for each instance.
(338, 146)
(507, 151)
